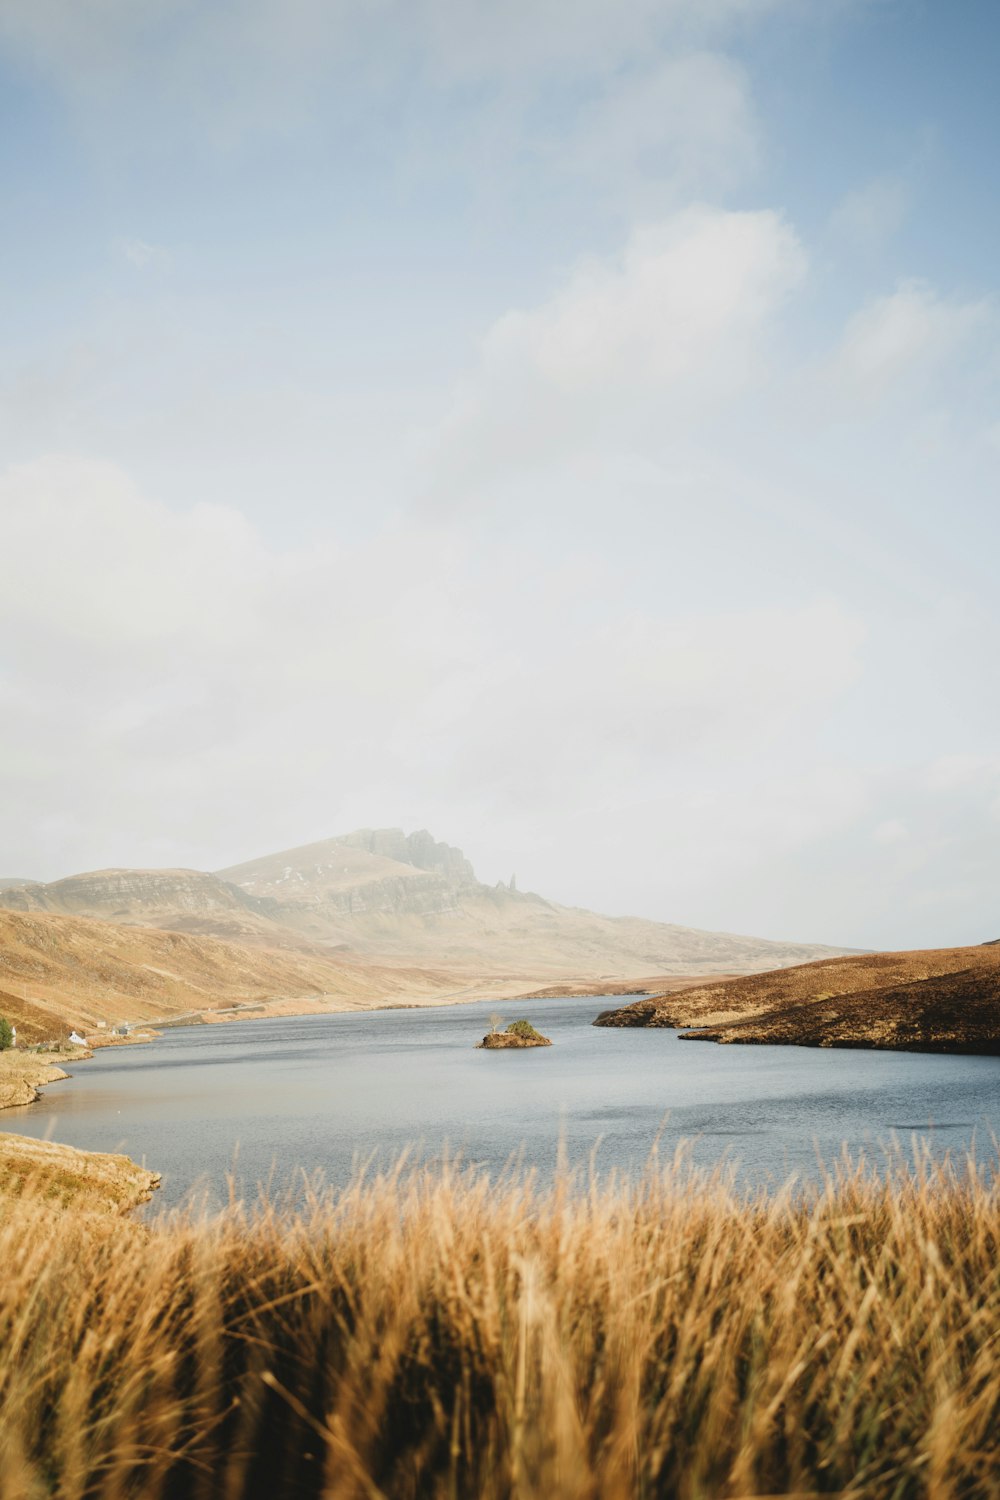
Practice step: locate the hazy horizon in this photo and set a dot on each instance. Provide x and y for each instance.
(571, 430)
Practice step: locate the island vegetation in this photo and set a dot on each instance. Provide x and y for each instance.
(517, 1034)
(433, 1334)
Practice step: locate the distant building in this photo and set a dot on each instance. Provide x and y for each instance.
(77, 1040)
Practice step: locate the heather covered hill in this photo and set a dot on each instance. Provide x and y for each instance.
(934, 1000)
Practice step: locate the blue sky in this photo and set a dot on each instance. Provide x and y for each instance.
(571, 428)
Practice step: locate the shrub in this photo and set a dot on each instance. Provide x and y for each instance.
(6, 1034)
(524, 1029)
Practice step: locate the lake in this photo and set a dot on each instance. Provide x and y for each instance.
(319, 1093)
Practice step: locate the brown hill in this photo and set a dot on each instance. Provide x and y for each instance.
(59, 972)
(934, 1000)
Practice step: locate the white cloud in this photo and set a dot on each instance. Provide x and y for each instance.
(903, 339)
(214, 77)
(680, 295)
(890, 831)
(179, 687)
(868, 216)
(636, 342)
(686, 124)
(466, 38)
(141, 253)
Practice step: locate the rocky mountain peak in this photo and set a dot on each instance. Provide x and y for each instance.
(420, 849)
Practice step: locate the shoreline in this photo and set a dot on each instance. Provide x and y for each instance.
(39, 1174)
(23, 1077)
(32, 1071)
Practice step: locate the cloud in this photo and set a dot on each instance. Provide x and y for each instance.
(904, 339)
(465, 38)
(635, 342)
(179, 687)
(218, 77)
(869, 216)
(140, 253)
(686, 124)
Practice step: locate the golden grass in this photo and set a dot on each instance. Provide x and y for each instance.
(428, 1334)
(60, 1177)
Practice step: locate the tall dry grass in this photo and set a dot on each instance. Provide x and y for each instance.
(426, 1334)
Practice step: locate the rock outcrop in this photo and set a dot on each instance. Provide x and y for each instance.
(419, 849)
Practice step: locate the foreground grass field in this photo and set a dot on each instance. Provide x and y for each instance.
(431, 1335)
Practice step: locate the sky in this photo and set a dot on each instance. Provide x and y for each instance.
(573, 428)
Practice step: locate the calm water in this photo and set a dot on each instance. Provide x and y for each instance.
(319, 1092)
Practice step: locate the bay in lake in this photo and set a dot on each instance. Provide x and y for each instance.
(320, 1093)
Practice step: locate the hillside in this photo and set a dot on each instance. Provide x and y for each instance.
(935, 1000)
(181, 900)
(380, 894)
(58, 972)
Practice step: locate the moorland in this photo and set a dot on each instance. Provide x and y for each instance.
(933, 1000)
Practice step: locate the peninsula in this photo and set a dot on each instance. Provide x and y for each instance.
(933, 1000)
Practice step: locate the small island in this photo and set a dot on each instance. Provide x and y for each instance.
(517, 1034)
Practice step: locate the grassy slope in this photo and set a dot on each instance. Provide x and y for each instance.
(439, 1338)
(58, 971)
(942, 1000)
(42, 1175)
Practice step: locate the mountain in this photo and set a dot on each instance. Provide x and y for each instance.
(935, 1000)
(381, 894)
(323, 889)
